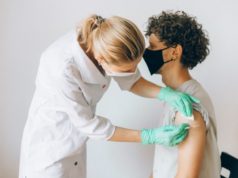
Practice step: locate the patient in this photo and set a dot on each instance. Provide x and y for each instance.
(178, 43)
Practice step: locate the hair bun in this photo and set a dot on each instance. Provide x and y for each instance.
(98, 20)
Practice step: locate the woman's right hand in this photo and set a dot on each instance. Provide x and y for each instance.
(169, 135)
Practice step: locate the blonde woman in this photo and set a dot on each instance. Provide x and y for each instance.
(74, 73)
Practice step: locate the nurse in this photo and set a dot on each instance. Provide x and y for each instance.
(74, 73)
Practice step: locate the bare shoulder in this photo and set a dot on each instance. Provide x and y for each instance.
(191, 150)
(197, 122)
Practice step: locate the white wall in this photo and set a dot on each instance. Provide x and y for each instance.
(27, 27)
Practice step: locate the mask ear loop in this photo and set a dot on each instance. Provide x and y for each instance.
(169, 60)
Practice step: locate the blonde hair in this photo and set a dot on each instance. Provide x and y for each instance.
(116, 39)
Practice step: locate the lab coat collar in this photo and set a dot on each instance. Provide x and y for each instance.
(89, 72)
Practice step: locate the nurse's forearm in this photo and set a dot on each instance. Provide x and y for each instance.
(125, 135)
(145, 88)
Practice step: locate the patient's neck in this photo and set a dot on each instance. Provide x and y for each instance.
(176, 77)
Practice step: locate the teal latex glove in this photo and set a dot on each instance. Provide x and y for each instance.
(180, 101)
(169, 135)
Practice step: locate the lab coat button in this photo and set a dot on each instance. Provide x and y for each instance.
(76, 163)
(103, 86)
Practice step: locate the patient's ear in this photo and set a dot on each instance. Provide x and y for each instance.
(178, 51)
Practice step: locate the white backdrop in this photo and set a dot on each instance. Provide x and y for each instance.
(28, 26)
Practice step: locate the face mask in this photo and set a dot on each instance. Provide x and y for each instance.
(116, 74)
(154, 59)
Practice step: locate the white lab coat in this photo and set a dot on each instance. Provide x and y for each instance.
(62, 114)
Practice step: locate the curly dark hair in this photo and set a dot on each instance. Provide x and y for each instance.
(175, 28)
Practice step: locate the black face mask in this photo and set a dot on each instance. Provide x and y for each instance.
(154, 59)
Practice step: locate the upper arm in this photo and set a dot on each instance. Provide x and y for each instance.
(145, 88)
(191, 150)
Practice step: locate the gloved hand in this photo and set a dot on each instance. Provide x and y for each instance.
(180, 101)
(169, 135)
